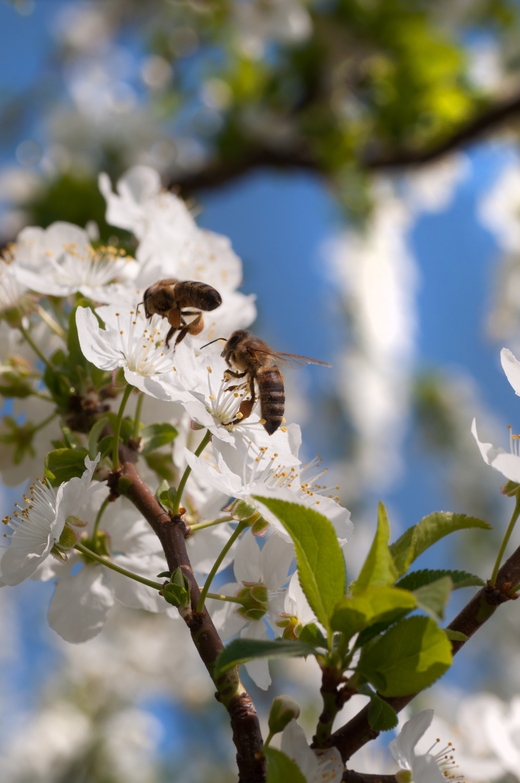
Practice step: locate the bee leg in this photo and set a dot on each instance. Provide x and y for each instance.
(233, 374)
(170, 335)
(194, 327)
(175, 321)
(246, 407)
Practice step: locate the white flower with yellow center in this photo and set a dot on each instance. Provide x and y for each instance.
(135, 344)
(60, 260)
(249, 469)
(317, 766)
(45, 524)
(434, 766)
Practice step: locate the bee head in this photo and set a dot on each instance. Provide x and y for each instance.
(234, 341)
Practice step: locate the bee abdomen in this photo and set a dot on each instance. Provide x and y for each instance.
(272, 397)
(192, 293)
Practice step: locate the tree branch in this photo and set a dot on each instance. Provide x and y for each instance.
(357, 732)
(172, 532)
(219, 172)
(487, 120)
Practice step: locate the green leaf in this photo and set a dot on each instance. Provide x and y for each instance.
(162, 464)
(93, 436)
(379, 569)
(426, 576)
(105, 445)
(311, 634)
(127, 426)
(434, 597)
(281, 769)
(381, 716)
(456, 636)
(374, 605)
(321, 565)
(427, 532)
(406, 659)
(64, 464)
(243, 650)
(156, 435)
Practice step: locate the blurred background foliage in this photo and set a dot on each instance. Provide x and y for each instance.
(289, 122)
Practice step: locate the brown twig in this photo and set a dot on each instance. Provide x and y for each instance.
(172, 531)
(357, 732)
(219, 172)
(487, 120)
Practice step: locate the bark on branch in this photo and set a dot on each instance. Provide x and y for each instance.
(357, 732)
(172, 531)
(220, 172)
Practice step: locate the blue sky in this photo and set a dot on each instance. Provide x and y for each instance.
(278, 224)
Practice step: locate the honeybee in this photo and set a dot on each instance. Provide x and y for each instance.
(258, 363)
(169, 298)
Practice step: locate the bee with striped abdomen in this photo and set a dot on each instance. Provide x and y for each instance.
(249, 357)
(170, 298)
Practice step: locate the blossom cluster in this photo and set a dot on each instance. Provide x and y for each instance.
(60, 281)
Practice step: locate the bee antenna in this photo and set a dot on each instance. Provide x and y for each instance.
(212, 341)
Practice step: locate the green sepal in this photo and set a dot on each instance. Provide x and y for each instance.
(381, 716)
(281, 769)
(428, 531)
(63, 464)
(156, 435)
(373, 605)
(378, 569)
(510, 488)
(426, 576)
(243, 650)
(409, 657)
(319, 557)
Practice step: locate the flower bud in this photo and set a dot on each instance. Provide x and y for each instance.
(73, 521)
(254, 598)
(283, 710)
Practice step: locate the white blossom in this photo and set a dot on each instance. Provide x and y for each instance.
(262, 572)
(84, 595)
(427, 767)
(37, 527)
(317, 766)
(134, 343)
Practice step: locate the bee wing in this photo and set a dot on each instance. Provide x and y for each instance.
(293, 360)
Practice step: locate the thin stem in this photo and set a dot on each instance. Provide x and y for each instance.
(239, 528)
(44, 423)
(103, 561)
(35, 348)
(137, 417)
(180, 489)
(507, 536)
(51, 323)
(99, 515)
(44, 397)
(115, 451)
(222, 597)
(211, 523)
